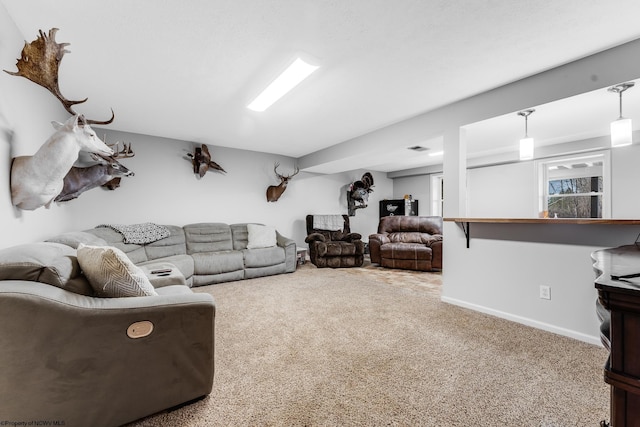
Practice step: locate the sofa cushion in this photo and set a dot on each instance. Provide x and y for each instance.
(210, 279)
(251, 273)
(240, 236)
(263, 257)
(407, 264)
(261, 236)
(111, 273)
(136, 253)
(46, 262)
(410, 237)
(74, 238)
(207, 237)
(413, 251)
(174, 244)
(422, 224)
(331, 235)
(337, 248)
(217, 262)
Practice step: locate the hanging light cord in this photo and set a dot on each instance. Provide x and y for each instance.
(526, 114)
(619, 89)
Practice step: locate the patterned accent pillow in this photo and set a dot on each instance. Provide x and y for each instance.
(112, 274)
(261, 236)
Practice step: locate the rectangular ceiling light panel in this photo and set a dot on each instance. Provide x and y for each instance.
(297, 72)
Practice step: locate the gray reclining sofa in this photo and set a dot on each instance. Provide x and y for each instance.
(69, 357)
(205, 253)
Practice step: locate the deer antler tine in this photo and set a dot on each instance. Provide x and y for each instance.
(40, 63)
(95, 122)
(126, 151)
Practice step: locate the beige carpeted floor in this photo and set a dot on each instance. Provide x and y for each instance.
(376, 347)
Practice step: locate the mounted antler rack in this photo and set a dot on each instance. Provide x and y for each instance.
(40, 62)
(126, 151)
(275, 191)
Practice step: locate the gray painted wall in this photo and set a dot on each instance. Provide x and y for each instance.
(502, 271)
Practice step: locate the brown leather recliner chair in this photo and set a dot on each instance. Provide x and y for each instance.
(408, 242)
(334, 248)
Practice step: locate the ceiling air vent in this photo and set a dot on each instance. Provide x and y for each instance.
(418, 148)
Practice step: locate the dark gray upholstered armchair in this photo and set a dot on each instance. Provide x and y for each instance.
(331, 247)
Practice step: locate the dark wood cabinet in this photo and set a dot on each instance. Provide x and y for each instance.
(618, 306)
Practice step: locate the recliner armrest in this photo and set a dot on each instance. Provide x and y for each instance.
(283, 241)
(435, 238)
(63, 353)
(380, 238)
(375, 241)
(289, 246)
(314, 237)
(350, 237)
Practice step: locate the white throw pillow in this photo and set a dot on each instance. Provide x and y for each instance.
(112, 274)
(261, 236)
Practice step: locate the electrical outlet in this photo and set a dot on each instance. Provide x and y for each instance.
(545, 292)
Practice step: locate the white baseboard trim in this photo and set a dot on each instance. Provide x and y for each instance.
(526, 321)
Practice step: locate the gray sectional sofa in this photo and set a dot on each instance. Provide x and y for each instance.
(73, 357)
(205, 253)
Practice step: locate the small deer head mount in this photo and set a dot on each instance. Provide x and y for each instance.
(275, 191)
(358, 193)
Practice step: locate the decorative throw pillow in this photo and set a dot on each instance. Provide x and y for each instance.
(261, 236)
(112, 274)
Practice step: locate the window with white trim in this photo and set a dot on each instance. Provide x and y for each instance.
(575, 186)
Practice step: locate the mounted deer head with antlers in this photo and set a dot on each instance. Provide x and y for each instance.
(40, 62)
(36, 180)
(106, 174)
(93, 169)
(275, 191)
(126, 152)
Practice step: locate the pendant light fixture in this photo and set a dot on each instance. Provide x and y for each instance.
(621, 129)
(526, 143)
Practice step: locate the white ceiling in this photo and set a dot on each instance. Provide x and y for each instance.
(187, 69)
